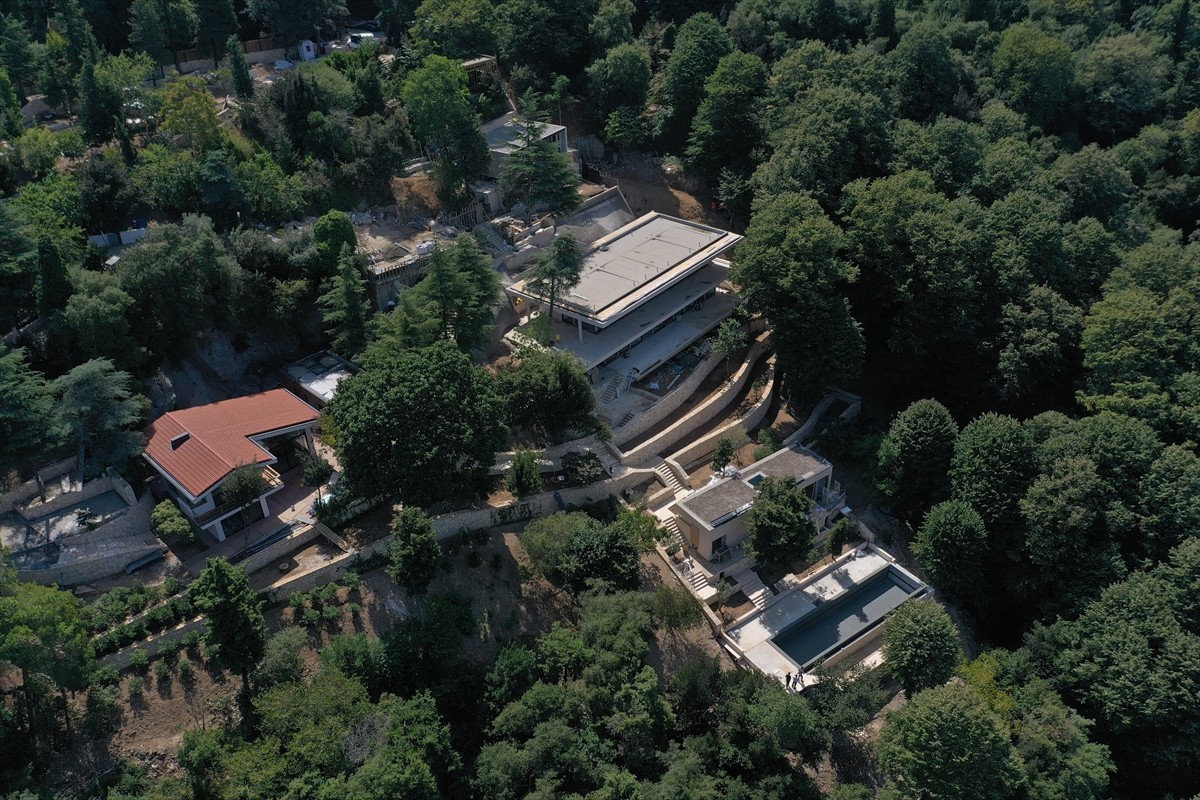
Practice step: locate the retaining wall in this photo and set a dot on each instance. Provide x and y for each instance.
(538, 505)
(21, 493)
(701, 415)
(550, 459)
(670, 403)
(279, 549)
(93, 488)
(89, 556)
(701, 447)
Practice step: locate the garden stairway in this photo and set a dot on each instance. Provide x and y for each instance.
(668, 477)
(754, 589)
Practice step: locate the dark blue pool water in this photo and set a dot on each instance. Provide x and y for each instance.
(843, 618)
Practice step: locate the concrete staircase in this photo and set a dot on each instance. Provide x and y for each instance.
(668, 476)
(625, 419)
(494, 241)
(754, 589)
(610, 389)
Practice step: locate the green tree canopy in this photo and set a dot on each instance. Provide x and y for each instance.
(548, 390)
(778, 528)
(346, 306)
(236, 633)
(945, 743)
(699, 47)
(423, 424)
(555, 272)
(538, 174)
(790, 268)
(435, 97)
(413, 553)
(920, 645)
(915, 456)
(98, 409)
(27, 411)
(952, 547)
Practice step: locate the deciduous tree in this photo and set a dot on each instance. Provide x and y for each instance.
(778, 528)
(387, 448)
(920, 645)
(915, 456)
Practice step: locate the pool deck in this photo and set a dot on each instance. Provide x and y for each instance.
(753, 637)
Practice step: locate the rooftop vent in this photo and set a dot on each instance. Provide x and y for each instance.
(178, 440)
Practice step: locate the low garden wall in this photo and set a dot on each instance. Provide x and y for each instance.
(550, 459)
(93, 488)
(702, 414)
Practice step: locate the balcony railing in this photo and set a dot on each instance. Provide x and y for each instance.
(272, 481)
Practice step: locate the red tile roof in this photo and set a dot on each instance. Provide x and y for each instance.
(218, 436)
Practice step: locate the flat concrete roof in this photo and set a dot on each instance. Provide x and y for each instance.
(504, 134)
(321, 373)
(635, 263)
(712, 502)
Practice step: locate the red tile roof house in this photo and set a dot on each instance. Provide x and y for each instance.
(196, 449)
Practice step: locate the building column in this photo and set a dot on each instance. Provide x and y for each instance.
(308, 442)
(262, 503)
(218, 530)
(579, 322)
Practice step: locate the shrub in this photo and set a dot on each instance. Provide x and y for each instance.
(316, 471)
(351, 581)
(768, 442)
(298, 600)
(187, 670)
(582, 467)
(161, 615)
(162, 671)
(139, 659)
(191, 639)
(100, 703)
(168, 649)
(171, 586)
(525, 477)
(355, 610)
(136, 686)
(105, 676)
(168, 521)
(311, 616)
(331, 613)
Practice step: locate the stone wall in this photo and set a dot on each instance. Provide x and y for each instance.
(550, 459)
(538, 505)
(701, 447)
(89, 556)
(668, 404)
(93, 488)
(20, 494)
(701, 415)
(279, 549)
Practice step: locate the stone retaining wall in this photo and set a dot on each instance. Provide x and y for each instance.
(279, 549)
(93, 488)
(28, 489)
(670, 403)
(701, 447)
(701, 415)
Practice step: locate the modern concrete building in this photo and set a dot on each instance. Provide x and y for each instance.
(646, 292)
(505, 135)
(315, 378)
(197, 449)
(712, 519)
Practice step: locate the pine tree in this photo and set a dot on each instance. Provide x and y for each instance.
(346, 308)
(243, 84)
(54, 284)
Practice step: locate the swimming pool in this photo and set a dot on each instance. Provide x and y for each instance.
(836, 622)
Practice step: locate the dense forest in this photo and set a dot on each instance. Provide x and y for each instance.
(979, 215)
